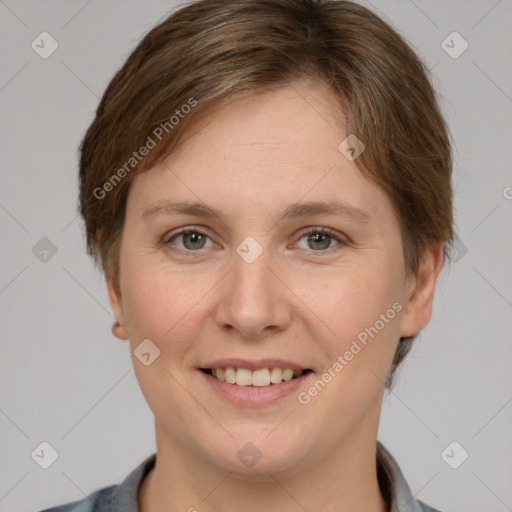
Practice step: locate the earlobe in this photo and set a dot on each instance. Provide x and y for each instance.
(119, 331)
(114, 294)
(420, 293)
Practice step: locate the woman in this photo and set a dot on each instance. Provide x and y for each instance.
(266, 185)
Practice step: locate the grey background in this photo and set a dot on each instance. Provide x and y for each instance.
(66, 380)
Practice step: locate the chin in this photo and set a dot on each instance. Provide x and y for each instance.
(262, 470)
(252, 453)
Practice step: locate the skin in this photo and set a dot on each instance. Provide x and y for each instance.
(301, 301)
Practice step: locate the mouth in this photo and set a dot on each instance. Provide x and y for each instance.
(261, 377)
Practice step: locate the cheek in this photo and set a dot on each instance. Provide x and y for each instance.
(360, 308)
(160, 303)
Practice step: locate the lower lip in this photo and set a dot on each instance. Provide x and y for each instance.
(253, 396)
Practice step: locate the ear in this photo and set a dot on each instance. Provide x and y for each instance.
(420, 291)
(114, 295)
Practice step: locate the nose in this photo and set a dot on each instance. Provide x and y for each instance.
(253, 301)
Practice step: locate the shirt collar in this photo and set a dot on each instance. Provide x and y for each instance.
(393, 483)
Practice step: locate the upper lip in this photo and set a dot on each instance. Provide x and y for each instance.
(255, 364)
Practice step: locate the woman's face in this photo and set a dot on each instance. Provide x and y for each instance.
(278, 277)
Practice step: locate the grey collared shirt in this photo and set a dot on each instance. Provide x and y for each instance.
(124, 497)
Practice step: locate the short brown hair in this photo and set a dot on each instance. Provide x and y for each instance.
(210, 52)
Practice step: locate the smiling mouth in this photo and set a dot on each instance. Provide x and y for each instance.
(258, 378)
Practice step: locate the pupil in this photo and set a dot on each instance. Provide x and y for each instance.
(322, 238)
(194, 238)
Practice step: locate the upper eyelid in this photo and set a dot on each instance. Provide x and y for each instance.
(188, 229)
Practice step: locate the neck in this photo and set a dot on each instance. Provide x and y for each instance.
(346, 481)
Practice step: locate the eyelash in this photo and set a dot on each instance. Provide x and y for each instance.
(167, 241)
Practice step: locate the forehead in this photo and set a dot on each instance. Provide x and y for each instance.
(289, 121)
(281, 147)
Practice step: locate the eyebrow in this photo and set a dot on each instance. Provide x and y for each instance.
(293, 211)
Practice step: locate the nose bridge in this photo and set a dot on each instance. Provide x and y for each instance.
(253, 300)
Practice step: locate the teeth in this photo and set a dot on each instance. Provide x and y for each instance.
(243, 377)
(230, 375)
(260, 378)
(276, 375)
(287, 374)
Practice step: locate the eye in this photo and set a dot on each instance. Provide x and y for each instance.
(321, 239)
(191, 240)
